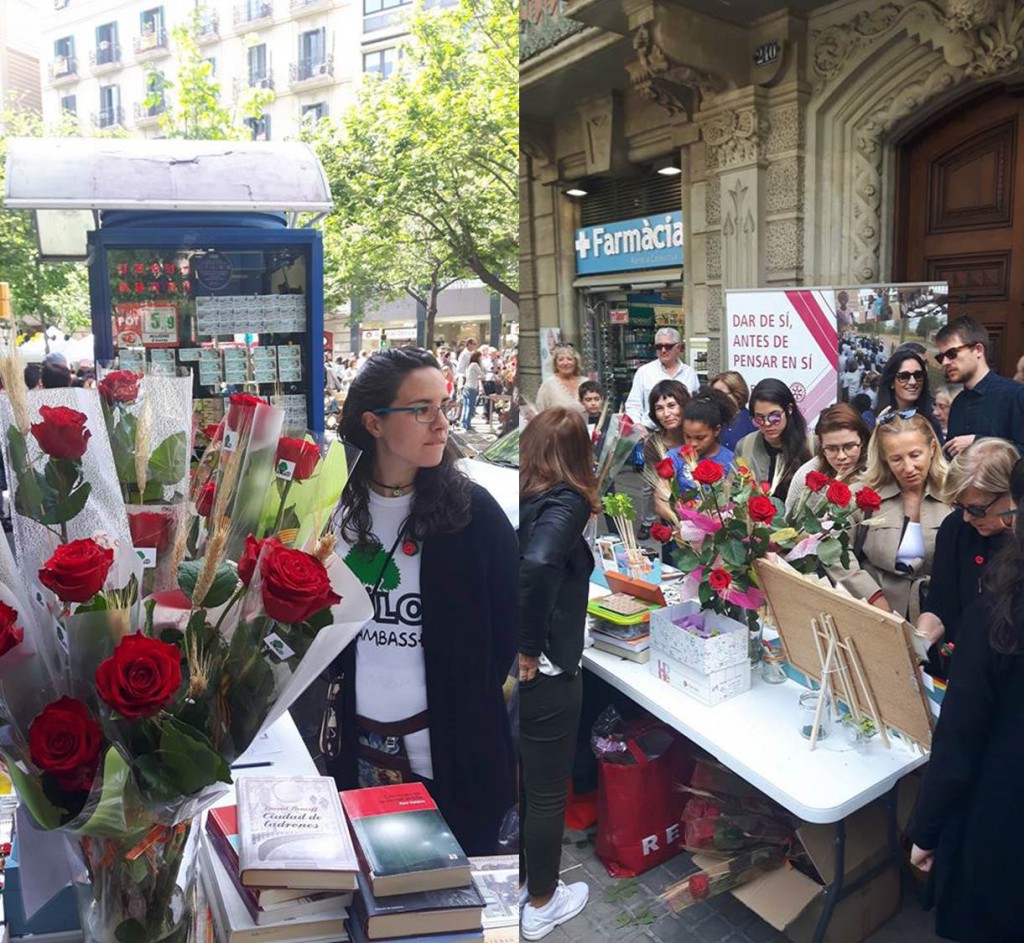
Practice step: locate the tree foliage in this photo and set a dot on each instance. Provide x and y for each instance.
(423, 168)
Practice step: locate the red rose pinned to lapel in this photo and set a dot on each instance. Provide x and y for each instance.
(980, 560)
(409, 548)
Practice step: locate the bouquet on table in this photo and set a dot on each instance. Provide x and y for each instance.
(125, 712)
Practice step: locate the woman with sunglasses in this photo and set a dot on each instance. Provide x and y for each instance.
(420, 696)
(903, 385)
(780, 445)
(892, 559)
(965, 829)
(843, 438)
(978, 485)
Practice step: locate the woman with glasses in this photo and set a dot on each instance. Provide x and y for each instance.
(843, 438)
(420, 696)
(978, 485)
(903, 385)
(892, 559)
(966, 830)
(562, 388)
(735, 387)
(944, 397)
(780, 445)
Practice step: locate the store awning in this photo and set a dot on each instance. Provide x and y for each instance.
(654, 278)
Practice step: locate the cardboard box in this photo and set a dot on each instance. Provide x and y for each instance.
(728, 648)
(708, 687)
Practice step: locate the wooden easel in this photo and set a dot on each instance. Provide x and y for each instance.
(839, 657)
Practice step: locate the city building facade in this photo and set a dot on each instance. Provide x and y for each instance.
(840, 143)
(19, 55)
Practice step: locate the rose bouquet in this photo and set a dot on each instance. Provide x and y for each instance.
(722, 876)
(617, 444)
(826, 514)
(125, 712)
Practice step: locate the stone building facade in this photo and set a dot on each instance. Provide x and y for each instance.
(796, 134)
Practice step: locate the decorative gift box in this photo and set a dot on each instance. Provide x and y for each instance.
(708, 687)
(702, 640)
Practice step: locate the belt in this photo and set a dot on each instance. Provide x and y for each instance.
(394, 728)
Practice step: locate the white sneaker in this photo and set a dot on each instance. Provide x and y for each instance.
(568, 900)
(524, 897)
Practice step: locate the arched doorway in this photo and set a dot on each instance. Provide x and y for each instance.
(960, 213)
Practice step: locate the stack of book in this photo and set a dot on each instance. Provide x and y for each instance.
(628, 641)
(281, 866)
(621, 622)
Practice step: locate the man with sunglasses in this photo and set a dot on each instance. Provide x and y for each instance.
(990, 405)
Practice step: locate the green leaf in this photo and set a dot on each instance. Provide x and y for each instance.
(189, 757)
(122, 445)
(69, 508)
(734, 553)
(829, 551)
(225, 582)
(108, 817)
(30, 791)
(169, 462)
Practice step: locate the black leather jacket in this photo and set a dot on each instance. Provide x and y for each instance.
(555, 564)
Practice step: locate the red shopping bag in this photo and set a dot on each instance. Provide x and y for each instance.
(638, 807)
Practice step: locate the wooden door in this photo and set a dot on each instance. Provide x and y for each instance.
(960, 216)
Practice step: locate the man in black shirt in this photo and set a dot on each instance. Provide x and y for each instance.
(990, 405)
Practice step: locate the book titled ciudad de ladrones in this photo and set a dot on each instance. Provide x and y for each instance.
(404, 840)
(292, 833)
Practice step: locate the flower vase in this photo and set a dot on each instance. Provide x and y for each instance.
(755, 636)
(139, 888)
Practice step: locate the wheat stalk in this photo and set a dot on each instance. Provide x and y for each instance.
(12, 371)
(214, 552)
(325, 547)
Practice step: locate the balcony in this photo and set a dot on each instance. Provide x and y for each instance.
(303, 7)
(64, 70)
(108, 118)
(209, 28)
(106, 59)
(253, 12)
(148, 116)
(266, 80)
(152, 45)
(310, 73)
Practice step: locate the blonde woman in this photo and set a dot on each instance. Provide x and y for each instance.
(892, 559)
(562, 388)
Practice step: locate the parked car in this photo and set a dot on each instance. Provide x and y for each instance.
(496, 468)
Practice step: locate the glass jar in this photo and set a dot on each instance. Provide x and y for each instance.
(808, 709)
(772, 671)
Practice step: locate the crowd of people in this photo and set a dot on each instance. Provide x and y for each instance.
(945, 550)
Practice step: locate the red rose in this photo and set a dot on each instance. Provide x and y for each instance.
(212, 430)
(120, 386)
(251, 555)
(11, 634)
(761, 509)
(168, 268)
(868, 500)
(698, 885)
(140, 286)
(661, 533)
(122, 268)
(838, 493)
(123, 288)
(141, 677)
(65, 740)
(62, 432)
(295, 585)
(409, 548)
(155, 268)
(666, 469)
(305, 455)
(155, 288)
(138, 268)
(979, 560)
(76, 571)
(243, 405)
(688, 453)
(204, 503)
(720, 580)
(149, 529)
(816, 481)
(708, 472)
(171, 288)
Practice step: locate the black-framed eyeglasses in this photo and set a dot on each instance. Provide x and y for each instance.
(977, 510)
(893, 416)
(666, 346)
(425, 414)
(951, 353)
(905, 376)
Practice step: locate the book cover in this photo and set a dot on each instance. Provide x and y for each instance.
(357, 935)
(496, 877)
(446, 910)
(292, 833)
(406, 843)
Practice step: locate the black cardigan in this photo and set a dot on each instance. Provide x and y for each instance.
(468, 591)
(968, 809)
(554, 575)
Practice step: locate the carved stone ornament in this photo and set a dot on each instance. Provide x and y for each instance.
(835, 45)
(672, 86)
(969, 15)
(734, 138)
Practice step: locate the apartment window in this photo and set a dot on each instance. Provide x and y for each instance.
(106, 44)
(154, 102)
(312, 53)
(64, 56)
(211, 61)
(68, 105)
(257, 9)
(257, 64)
(110, 106)
(259, 128)
(383, 61)
(314, 113)
(375, 6)
(151, 22)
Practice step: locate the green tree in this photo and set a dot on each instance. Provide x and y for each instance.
(424, 167)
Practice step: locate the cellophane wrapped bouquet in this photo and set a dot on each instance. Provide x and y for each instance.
(125, 709)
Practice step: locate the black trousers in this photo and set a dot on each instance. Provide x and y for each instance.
(549, 716)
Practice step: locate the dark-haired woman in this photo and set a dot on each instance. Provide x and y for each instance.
(666, 403)
(421, 692)
(558, 492)
(903, 385)
(966, 828)
(780, 446)
(704, 419)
